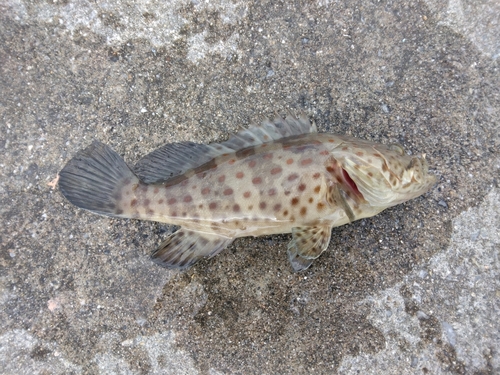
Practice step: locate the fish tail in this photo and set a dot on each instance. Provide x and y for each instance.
(94, 178)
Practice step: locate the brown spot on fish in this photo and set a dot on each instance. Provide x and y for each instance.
(295, 201)
(289, 161)
(200, 206)
(359, 153)
(287, 192)
(303, 211)
(277, 207)
(146, 202)
(306, 162)
(378, 155)
(143, 188)
(262, 205)
(320, 206)
(133, 203)
(317, 189)
(316, 175)
(257, 180)
(187, 198)
(232, 161)
(276, 170)
(212, 205)
(236, 208)
(119, 211)
(345, 148)
(193, 187)
(293, 176)
(240, 175)
(228, 191)
(311, 200)
(285, 213)
(268, 156)
(150, 212)
(325, 152)
(384, 167)
(221, 178)
(370, 174)
(272, 192)
(156, 190)
(205, 191)
(160, 201)
(302, 187)
(330, 169)
(331, 140)
(247, 194)
(172, 201)
(252, 163)
(250, 207)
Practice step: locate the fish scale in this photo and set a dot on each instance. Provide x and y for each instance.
(277, 177)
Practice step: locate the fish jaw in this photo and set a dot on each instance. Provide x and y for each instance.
(383, 174)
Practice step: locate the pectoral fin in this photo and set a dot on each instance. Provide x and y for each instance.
(307, 244)
(337, 196)
(184, 248)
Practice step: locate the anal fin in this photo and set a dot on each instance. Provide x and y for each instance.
(307, 244)
(185, 247)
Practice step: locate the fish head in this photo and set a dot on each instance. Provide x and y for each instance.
(384, 175)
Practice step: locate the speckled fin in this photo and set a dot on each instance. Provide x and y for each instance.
(177, 158)
(174, 159)
(271, 130)
(184, 248)
(307, 244)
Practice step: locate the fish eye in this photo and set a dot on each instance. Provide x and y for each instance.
(397, 148)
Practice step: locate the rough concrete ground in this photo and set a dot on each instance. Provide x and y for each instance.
(414, 290)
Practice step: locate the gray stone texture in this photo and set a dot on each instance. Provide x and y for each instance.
(414, 290)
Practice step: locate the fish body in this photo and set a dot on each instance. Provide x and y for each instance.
(279, 176)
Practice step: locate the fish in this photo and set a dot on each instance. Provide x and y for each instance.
(277, 176)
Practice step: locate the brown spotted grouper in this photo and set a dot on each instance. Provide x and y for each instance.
(280, 176)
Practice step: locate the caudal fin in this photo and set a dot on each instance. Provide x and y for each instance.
(93, 179)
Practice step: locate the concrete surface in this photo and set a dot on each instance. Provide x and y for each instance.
(414, 290)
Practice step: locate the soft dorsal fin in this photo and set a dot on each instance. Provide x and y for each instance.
(307, 244)
(185, 247)
(174, 159)
(177, 158)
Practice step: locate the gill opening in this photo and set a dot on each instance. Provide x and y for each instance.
(350, 183)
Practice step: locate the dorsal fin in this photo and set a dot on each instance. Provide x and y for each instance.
(177, 158)
(174, 159)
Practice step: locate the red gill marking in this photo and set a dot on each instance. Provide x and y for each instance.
(350, 182)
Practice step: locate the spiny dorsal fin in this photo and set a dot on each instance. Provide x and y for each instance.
(177, 158)
(307, 244)
(184, 248)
